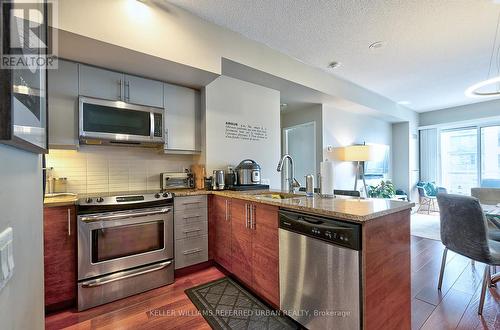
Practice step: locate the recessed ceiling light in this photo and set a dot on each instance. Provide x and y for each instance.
(377, 45)
(404, 102)
(334, 65)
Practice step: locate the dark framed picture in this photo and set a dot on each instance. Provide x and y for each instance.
(23, 74)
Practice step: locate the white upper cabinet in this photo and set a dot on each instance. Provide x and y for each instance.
(143, 91)
(182, 119)
(111, 85)
(63, 105)
(182, 105)
(100, 83)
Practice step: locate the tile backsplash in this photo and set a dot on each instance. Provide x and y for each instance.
(94, 169)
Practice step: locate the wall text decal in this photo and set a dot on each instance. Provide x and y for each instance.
(245, 132)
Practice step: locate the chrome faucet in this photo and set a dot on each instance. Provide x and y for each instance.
(292, 182)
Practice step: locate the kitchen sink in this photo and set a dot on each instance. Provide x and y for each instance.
(277, 196)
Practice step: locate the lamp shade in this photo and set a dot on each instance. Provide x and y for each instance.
(356, 153)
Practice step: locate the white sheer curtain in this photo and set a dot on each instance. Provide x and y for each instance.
(429, 164)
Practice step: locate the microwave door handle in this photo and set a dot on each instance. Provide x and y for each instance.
(124, 215)
(152, 125)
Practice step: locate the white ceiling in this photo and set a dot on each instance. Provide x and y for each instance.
(435, 48)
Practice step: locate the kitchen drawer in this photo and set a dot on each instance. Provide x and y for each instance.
(186, 217)
(191, 251)
(190, 203)
(191, 230)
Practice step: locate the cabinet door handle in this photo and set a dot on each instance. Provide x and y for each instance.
(246, 215)
(191, 231)
(69, 222)
(127, 91)
(191, 251)
(191, 217)
(191, 203)
(120, 83)
(225, 215)
(252, 221)
(166, 138)
(251, 216)
(229, 213)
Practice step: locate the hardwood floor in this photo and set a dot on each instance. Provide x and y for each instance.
(169, 308)
(455, 307)
(163, 308)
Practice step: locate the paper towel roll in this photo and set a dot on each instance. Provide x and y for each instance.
(326, 177)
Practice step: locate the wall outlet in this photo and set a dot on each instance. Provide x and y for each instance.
(265, 181)
(6, 256)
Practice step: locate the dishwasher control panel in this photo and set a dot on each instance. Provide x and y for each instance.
(338, 232)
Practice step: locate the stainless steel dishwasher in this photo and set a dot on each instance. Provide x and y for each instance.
(320, 271)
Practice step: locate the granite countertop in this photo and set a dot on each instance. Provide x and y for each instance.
(61, 200)
(346, 208)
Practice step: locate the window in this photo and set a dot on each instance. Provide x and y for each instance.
(490, 157)
(459, 160)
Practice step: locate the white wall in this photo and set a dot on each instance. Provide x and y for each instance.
(488, 110)
(342, 128)
(21, 301)
(232, 100)
(401, 155)
(312, 113)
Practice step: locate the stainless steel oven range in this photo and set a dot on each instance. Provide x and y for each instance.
(125, 246)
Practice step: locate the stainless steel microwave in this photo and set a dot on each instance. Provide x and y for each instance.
(117, 122)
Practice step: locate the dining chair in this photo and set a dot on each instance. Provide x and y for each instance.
(489, 196)
(425, 199)
(464, 230)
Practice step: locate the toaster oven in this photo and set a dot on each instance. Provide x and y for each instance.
(177, 180)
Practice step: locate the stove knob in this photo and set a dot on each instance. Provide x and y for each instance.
(165, 195)
(88, 200)
(99, 200)
(157, 195)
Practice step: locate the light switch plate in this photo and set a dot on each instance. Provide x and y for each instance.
(6, 256)
(5, 237)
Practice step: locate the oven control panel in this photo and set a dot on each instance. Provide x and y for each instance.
(125, 199)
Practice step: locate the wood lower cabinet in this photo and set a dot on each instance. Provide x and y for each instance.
(60, 256)
(251, 232)
(220, 233)
(265, 252)
(241, 241)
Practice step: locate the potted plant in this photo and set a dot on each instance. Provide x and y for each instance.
(385, 189)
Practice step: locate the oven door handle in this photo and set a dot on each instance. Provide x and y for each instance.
(93, 218)
(126, 274)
